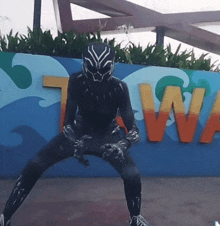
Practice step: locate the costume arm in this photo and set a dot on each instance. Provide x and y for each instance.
(116, 151)
(71, 108)
(68, 130)
(127, 115)
(71, 105)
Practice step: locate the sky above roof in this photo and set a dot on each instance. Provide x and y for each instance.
(174, 6)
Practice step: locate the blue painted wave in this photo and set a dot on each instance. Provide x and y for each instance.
(28, 112)
(27, 127)
(15, 158)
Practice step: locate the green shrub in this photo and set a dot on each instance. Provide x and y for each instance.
(71, 44)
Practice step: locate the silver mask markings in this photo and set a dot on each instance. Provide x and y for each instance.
(98, 62)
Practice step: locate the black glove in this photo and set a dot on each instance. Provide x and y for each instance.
(79, 147)
(78, 144)
(115, 151)
(69, 133)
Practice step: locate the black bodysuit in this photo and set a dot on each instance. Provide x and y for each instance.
(90, 110)
(98, 106)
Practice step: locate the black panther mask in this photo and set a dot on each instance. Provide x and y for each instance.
(98, 63)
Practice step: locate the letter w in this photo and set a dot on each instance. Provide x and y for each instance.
(172, 99)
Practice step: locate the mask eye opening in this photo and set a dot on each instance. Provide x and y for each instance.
(92, 69)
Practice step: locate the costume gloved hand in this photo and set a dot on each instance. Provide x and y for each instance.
(115, 151)
(77, 144)
(69, 133)
(80, 148)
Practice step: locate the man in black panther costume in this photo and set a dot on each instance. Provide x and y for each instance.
(95, 98)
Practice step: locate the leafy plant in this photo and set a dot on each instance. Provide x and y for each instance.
(72, 44)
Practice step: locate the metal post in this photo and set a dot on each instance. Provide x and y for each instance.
(37, 14)
(160, 36)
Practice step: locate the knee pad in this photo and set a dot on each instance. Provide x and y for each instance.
(33, 170)
(130, 173)
(132, 182)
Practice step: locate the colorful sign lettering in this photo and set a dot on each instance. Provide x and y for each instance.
(176, 110)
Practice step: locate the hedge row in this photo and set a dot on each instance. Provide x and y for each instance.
(71, 44)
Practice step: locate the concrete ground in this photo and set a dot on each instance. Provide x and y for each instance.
(101, 202)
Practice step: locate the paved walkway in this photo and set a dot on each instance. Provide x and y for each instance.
(100, 202)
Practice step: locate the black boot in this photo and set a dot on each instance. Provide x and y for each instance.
(138, 221)
(134, 206)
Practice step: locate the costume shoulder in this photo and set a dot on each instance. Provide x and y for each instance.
(76, 77)
(75, 82)
(121, 85)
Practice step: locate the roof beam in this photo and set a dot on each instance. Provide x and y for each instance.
(124, 14)
(194, 36)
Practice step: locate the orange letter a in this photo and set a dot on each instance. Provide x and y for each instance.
(172, 98)
(213, 123)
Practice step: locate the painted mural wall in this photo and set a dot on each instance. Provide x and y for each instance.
(177, 112)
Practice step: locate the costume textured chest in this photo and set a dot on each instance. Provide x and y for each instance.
(96, 105)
